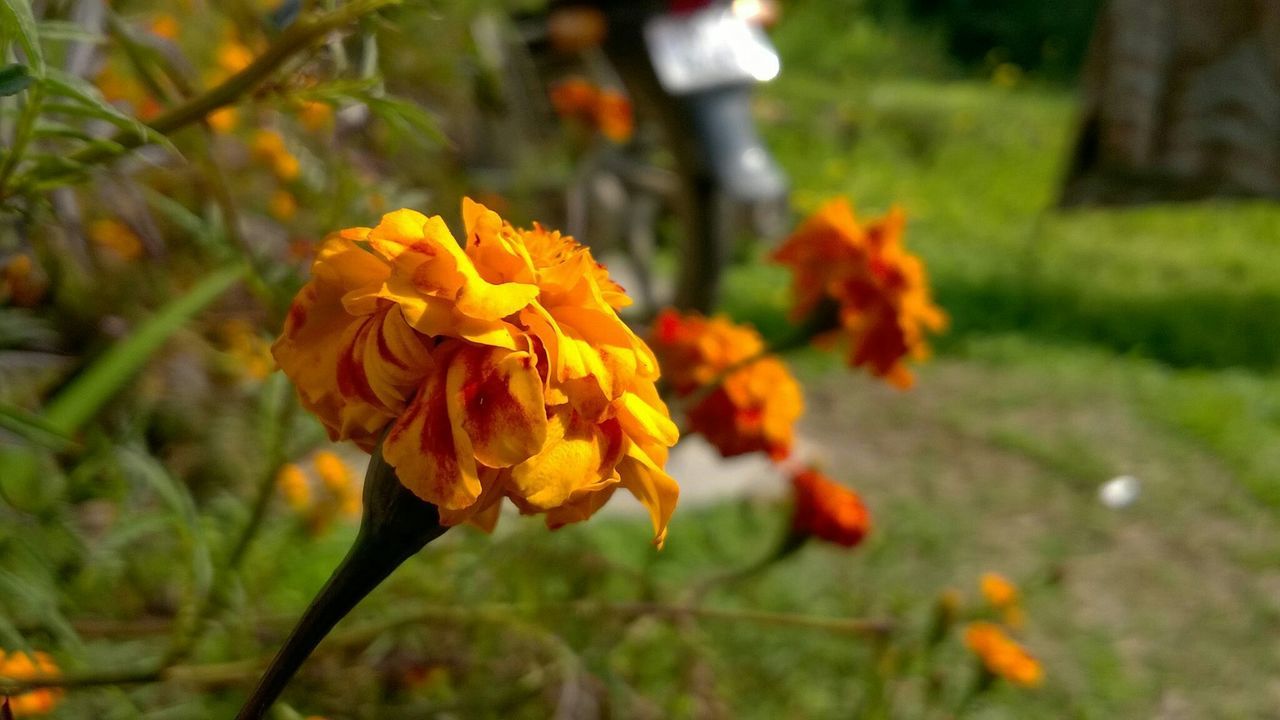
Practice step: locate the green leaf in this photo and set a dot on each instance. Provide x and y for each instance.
(14, 79)
(34, 428)
(176, 497)
(17, 20)
(81, 399)
(67, 31)
(407, 118)
(90, 102)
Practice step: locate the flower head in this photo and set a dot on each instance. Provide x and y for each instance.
(1002, 656)
(607, 111)
(496, 370)
(21, 282)
(998, 590)
(21, 666)
(879, 288)
(753, 407)
(828, 510)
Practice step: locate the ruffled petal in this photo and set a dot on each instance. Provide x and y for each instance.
(495, 396)
(579, 456)
(431, 453)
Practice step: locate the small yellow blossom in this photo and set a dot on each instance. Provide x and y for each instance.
(294, 487)
(224, 120)
(283, 205)
(334, 474)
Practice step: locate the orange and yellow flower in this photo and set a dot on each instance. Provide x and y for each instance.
(879, 288)
(1002, 656)
(268, 147)
(21, 666)
(754, 407)
(496, 370)
(828, 510)
(607, 111)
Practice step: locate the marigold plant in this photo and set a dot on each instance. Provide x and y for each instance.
(753, 402)
(879, 290)
(496, 370)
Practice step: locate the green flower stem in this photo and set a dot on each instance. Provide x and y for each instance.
(396, 525)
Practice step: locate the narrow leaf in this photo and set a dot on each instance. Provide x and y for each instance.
(74, 88)
(81, 399)
(17, 20)
(33, 428)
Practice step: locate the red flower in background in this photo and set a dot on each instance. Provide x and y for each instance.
(754, 407)
(880, 289)
(828, 510)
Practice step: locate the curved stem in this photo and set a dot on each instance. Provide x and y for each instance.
(396, 525)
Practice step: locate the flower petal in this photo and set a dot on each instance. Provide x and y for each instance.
(578, 456)
(431, 452)
(495, 396)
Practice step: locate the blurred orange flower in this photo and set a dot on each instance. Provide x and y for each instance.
(608, 111)
(501, 369)
(21, 282)
(828, 510)
(880, 289)
(116, 237)
(249, 352)
(282, 205)
(295, 487)
(224, 120)
(232, 57)
(21, 666)
(1002, 656)
(315, 116)
(998, 590)
(268, 147)
(752, 408)
(165, 26)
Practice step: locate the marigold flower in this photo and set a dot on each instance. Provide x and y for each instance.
(614, 115)
(880, 289)
(334, 474)
(21, 666)
(232, 57)
(602, 109)
(998, 590)
(224, 120)
(753, 407)
(1002, 656)
(249, 352)
(268, 147)
(828, 510)
(294, 486)
(116, 237)
(501, 369)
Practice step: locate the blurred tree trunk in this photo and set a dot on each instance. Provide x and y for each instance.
(1181, 101)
